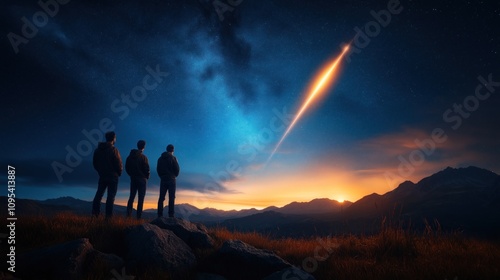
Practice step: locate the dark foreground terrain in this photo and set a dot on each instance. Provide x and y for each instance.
(114, 249)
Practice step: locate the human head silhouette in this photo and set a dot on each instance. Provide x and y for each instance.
(170, 148)
(141, 144)
(110, 137)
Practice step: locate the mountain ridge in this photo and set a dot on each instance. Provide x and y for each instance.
(460, 198)
(314, 205)
(464, 199)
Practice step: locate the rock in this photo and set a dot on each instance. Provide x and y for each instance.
(290, 273)
(69, 260)
(151, 247)
(195, 235)
(238, 260)
(98, 261)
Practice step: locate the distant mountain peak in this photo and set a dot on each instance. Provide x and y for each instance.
(322, 199)
(454, 176)
(315, 206)
(406, 186)
(468, 169)
(63, 198)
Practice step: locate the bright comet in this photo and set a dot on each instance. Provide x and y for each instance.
(321, 83)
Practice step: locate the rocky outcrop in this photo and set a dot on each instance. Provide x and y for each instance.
(152, 247)
(195, 235)
(70, 260)
(239, 260)
(155, 252)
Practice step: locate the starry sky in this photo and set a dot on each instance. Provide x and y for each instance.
(221, 80)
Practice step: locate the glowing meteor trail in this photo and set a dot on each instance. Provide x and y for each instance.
(322, 80)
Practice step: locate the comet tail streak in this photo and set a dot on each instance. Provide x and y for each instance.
(324, 78)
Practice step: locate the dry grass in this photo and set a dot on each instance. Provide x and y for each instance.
(288, 248)
(394, 253)
(106, 236)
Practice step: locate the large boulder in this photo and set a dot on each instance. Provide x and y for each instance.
(290, 273)
(150, 247)
(70, 260)
(195, 235)
(239, 260)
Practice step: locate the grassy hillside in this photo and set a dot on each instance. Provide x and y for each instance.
(391, 254)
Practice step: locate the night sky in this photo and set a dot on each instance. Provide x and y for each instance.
(418, 92)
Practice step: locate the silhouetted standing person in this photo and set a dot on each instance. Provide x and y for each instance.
(168, 170)
(108, 163)
(137, 167)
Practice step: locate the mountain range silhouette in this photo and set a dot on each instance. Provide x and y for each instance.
(454, 199)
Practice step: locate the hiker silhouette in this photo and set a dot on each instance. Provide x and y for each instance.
(168, 170)
(108, 164)
(137, 167)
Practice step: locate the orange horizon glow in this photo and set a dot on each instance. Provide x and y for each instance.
(280, 190)
(321, 83)
(353, 174)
